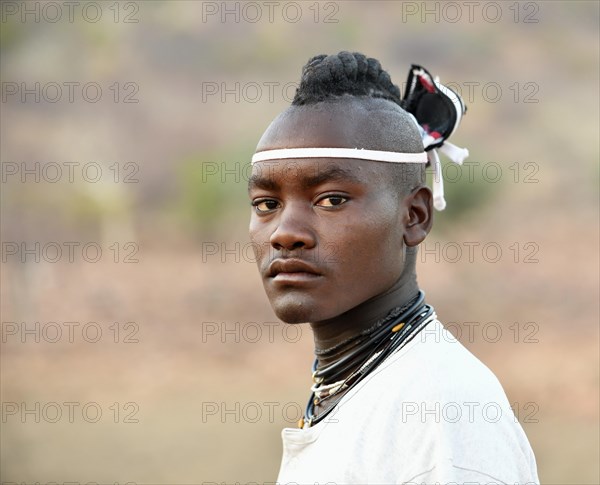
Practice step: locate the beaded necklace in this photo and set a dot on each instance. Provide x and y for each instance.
(400, 326)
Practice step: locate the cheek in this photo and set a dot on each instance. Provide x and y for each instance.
(369, 250)
(259, 239)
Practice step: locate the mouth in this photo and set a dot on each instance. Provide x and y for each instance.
(293, 271)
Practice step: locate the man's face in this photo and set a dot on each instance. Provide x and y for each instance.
(328, 233)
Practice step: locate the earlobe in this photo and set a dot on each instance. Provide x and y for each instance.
(419, 215)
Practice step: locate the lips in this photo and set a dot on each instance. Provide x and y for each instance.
(292, 270)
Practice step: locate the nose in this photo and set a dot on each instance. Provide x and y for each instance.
(293, 231)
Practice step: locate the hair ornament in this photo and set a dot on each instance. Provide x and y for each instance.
(437, 111)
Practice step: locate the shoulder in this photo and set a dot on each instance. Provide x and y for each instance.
(436, 380)
(436, 365)
(437, 395)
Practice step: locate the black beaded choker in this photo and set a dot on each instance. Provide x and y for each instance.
(395, 330)
(363, 342)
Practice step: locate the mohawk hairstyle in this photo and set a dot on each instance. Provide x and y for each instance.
(328, 77)
(331, 76)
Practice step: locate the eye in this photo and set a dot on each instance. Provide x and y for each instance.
(265, 205)
(331, 201)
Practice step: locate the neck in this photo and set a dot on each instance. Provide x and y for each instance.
(333, 332)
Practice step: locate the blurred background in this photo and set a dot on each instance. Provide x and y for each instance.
(137, 343)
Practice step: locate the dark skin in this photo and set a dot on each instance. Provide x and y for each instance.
(335, 240)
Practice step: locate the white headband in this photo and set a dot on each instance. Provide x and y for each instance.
(457, 155)
(375, 155)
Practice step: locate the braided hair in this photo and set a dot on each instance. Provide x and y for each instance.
(332, 76)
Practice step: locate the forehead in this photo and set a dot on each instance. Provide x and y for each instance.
(309, 173)
(349, 122)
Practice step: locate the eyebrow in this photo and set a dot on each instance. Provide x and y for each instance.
(322, 175)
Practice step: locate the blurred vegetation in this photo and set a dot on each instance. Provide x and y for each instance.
(210, 186)
(466, 194)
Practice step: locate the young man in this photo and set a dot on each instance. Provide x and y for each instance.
(339, 209)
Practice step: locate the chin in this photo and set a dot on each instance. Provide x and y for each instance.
(302, 308)
(292, 313)
(292, 309)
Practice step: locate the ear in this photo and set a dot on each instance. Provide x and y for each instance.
(418, 215)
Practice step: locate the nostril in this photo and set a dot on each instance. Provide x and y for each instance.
(292, 233)
(289, 247)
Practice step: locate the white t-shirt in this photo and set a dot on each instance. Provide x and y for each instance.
(430, 413)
